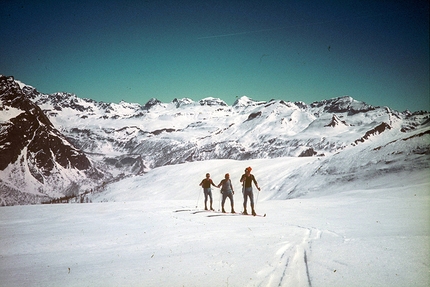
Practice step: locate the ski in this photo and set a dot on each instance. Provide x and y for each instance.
(217, 213)
(259, 215)
(236, 214)
(223, 214)
(202, 211)
(182, 210)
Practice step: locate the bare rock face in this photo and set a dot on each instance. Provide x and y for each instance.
(45, 146)
(30, 146)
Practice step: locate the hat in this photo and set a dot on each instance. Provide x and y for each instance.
(248, 168)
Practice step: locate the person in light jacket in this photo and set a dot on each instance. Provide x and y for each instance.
(227, 191)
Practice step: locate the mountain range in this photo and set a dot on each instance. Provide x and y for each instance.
(59, 145)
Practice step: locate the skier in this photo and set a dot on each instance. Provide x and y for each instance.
(246, 181)
(227, 191)
(206, 184)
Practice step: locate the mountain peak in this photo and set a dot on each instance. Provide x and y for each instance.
(342, 105)
(33, 153)
(152, 102)
(210, 101)
(181, 102)
(111, 141)
(245, 101)
(336, 121)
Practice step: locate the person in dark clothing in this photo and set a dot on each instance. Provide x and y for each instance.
(206, 184)
(227, 191)
(247, 179)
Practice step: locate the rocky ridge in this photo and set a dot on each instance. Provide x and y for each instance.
(102, 142)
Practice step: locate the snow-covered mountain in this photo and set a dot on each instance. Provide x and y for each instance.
(36, 160)
(125, 138)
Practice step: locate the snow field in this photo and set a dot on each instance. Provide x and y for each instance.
(377, 235)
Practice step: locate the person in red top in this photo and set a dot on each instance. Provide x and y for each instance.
(206, 184)
(247, 179)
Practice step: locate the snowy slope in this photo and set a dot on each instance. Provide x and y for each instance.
(128, 139)
(345, 187)
(376, 163)
(185, 130)
(376, 234)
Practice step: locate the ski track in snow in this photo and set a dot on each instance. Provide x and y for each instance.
(303, 242)
(290, 266)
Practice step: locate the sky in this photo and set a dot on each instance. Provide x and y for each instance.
(373, 51)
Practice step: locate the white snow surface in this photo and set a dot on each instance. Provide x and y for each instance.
(358, 216)
(8, 113)
(142, 231)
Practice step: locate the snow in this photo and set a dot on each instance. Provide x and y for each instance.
(22, 85)
(373, 232)
(8, 113)
(357, 216)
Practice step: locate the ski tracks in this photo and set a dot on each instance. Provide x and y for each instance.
(290, 266)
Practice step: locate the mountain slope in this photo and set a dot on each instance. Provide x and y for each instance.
(35, 157)
(127, 139)
(184, 130)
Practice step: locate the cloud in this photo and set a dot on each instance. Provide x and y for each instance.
(237, 34)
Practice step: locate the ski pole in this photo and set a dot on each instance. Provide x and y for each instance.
(198, 198)
(219, 201)
(257, 198)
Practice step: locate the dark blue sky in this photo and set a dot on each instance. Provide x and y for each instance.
(375, 51)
